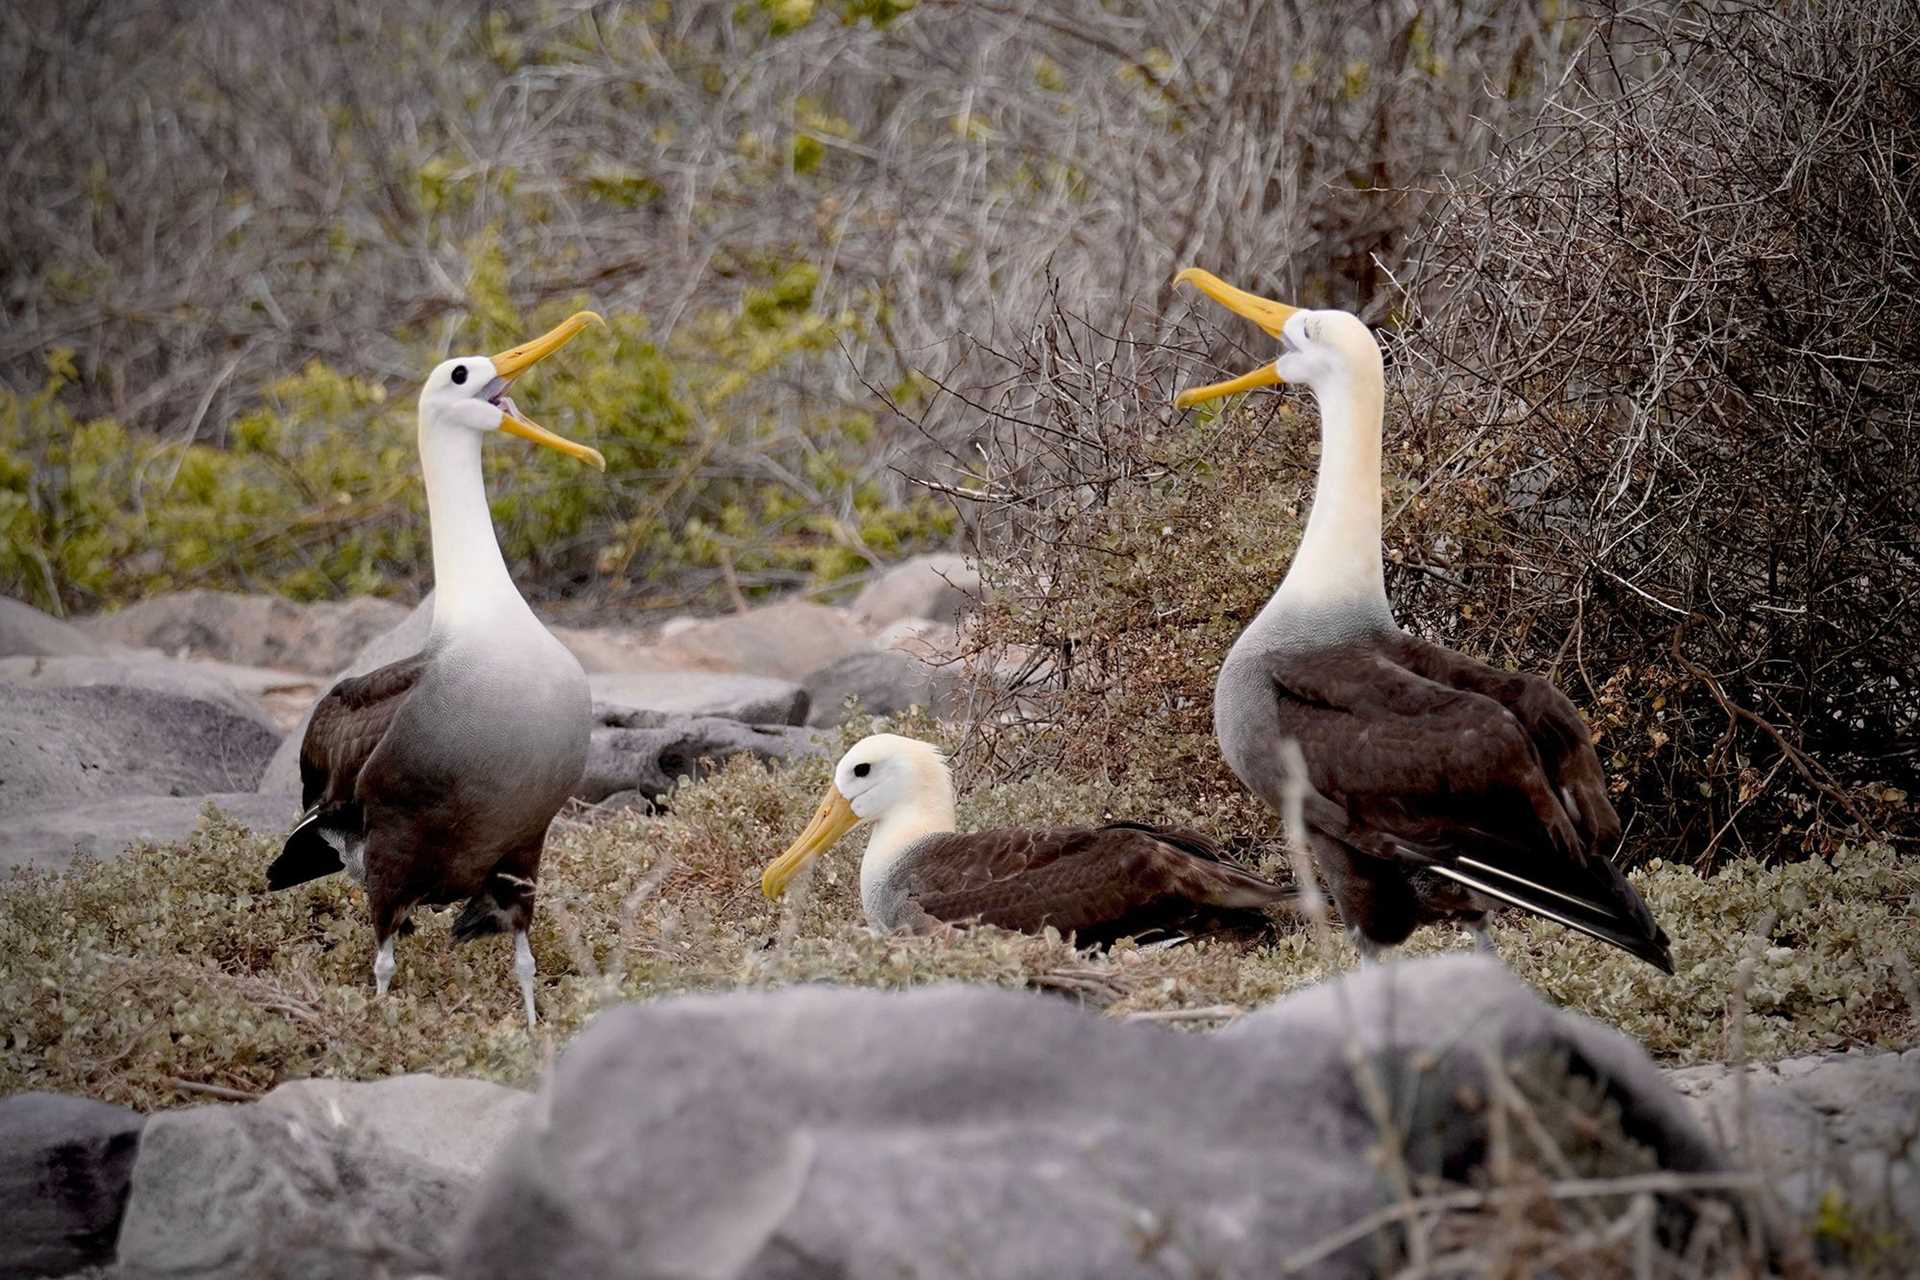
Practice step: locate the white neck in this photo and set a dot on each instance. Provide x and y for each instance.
(1338, 560)
(928, 812)
(470, 580)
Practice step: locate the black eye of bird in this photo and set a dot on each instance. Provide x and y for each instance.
(862, 770)
(459, 374)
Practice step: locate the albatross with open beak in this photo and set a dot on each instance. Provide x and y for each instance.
(433, 780)
(1095, 883)
(1437, 786)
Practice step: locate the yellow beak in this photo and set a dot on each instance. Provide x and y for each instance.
(513, 362)
(833, 819)
(1265, 312)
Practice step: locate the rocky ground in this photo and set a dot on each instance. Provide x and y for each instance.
(123, 727)
(815, 1130)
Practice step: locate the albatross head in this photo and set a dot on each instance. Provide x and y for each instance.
(1328, 351)
(884, 778)
(470, 392)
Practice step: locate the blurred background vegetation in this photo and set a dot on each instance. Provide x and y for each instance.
(883, 276)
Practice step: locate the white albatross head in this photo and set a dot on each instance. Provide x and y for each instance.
(1330, 351)
(470, 392)
(887, 779)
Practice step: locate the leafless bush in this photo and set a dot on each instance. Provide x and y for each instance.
(1673, 329)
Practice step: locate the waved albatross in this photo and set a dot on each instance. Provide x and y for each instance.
(1098, 883)
(433, 779)
(1437, 785)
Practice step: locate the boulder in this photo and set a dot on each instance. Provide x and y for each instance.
(786, 640)
(920, 638)
(64, 747)
(215, 683)
(750, 699)
(65, 1164)
(884, 683)
(938, 587)
(27, 632)
(320, 1178)
(1840, 1128)
(635, 757)
(51, 839)
(283, 771)
(968, 1131)
(257, 630)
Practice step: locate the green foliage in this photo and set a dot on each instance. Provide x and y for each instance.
(317, 492)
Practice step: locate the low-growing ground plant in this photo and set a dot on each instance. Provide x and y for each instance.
(168, 975)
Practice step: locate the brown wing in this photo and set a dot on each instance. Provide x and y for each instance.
(1452, 779)
(347, 725)
(1559, 735)
(1097, 884)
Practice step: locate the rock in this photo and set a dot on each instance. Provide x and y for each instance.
(938, 587)
(678, 624)
(750, 699)
(786, 640)
(283, 772)
(920, 638)
(62, 747)
(64, 1170)
(1845, 1126)
(966, 1131)
(27, 632)
(257, 630)
(201, 682)
(51, 839)
(647, 753)
(320, 1178)
(884, 683)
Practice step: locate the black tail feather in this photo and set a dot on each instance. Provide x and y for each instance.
(306, 855)
(1624, 922)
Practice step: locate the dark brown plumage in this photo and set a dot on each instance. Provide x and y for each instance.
(1096, 884)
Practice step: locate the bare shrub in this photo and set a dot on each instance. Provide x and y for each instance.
(1672, 329)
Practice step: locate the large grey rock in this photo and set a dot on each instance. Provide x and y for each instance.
(207, 683)
(749, 699)
(25, 631)
(963, 1131)
(64, 1169)
(52, 839)
(1845, 1126)
(283, 771)
(320, 1178)
(257, 630)
(71, 746)
(786, 640)
(941, 587)
(637, 756)
(884, 683)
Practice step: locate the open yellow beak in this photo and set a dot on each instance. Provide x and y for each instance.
(1265, 312)
(833, 819)
(514, 361)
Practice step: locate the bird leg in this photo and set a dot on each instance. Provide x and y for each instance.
(523, 969)
(1370, 951)
(383, 966)
(1483, 939)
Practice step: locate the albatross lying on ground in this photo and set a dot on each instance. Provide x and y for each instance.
(1097, 883)
(433, 779)
(1437, 785)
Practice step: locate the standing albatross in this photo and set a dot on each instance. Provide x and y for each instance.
(433, 779)
(1436, 785)
(1098, 883)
